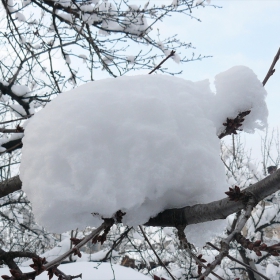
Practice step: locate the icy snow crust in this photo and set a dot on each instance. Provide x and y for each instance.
(138, 144)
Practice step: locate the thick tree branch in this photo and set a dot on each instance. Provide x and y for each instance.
(12, 145)
(9, 261)
(9, 186)
(190, 214)
(217, 209)
(8, 91)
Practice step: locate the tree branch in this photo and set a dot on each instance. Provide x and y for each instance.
(188, 215)
(159, 259)
(271, 69)
(158, 66)
(217, 209)
(236, 260)
(9, 186)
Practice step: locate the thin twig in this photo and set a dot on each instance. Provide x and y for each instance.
(236, 260)
(23, 118)
(116, 243)
(271, 69)
(225, 243)
(7, 130)
(184, 242)
(59, 259)
(159, 259)
(157, 67)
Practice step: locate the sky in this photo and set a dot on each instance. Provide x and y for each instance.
(237, 33)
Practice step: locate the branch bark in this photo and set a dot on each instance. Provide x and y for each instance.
(9, 186)
(217, 209)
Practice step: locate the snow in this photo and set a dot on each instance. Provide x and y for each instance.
(64, 3)
(11, 6)
(13, 136)
(272, 271)
(20, 90)
(138, 144)
(67, 59)
(130, 59)
(25, 3)
(135, 22)
(90, 271)
(176, 58)
(175, 3)
(84, 57)
(22, 39)
(66, 17)
(238, 90)
(20, 17)
(87, 8)
(18, 110)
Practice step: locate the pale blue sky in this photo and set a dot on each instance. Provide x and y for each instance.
(239, 33)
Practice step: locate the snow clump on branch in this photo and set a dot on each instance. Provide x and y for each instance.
(139, 144)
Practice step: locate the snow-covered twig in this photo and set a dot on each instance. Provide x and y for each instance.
(225, 243)
(40, 266)
(94, 233)
(159, 259)
(236, 260)
(184, 242)
(12, 145)
(116, 243)
(23, 118)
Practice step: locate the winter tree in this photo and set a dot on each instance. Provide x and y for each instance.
(140, 150)
(38, 42)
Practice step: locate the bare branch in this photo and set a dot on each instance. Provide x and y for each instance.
(158, 66)
(236, 260)
(9, 186)
(159, 259)
(271, 69)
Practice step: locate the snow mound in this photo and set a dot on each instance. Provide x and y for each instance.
(138, 144)
(239, 90)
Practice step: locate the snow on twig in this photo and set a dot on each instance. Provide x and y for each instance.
(54, 263)
(236, 260)
(184, 242)
(225, 243)
(159, 259)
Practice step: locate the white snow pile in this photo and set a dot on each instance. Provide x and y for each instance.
(237, 91)
(138, 144)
